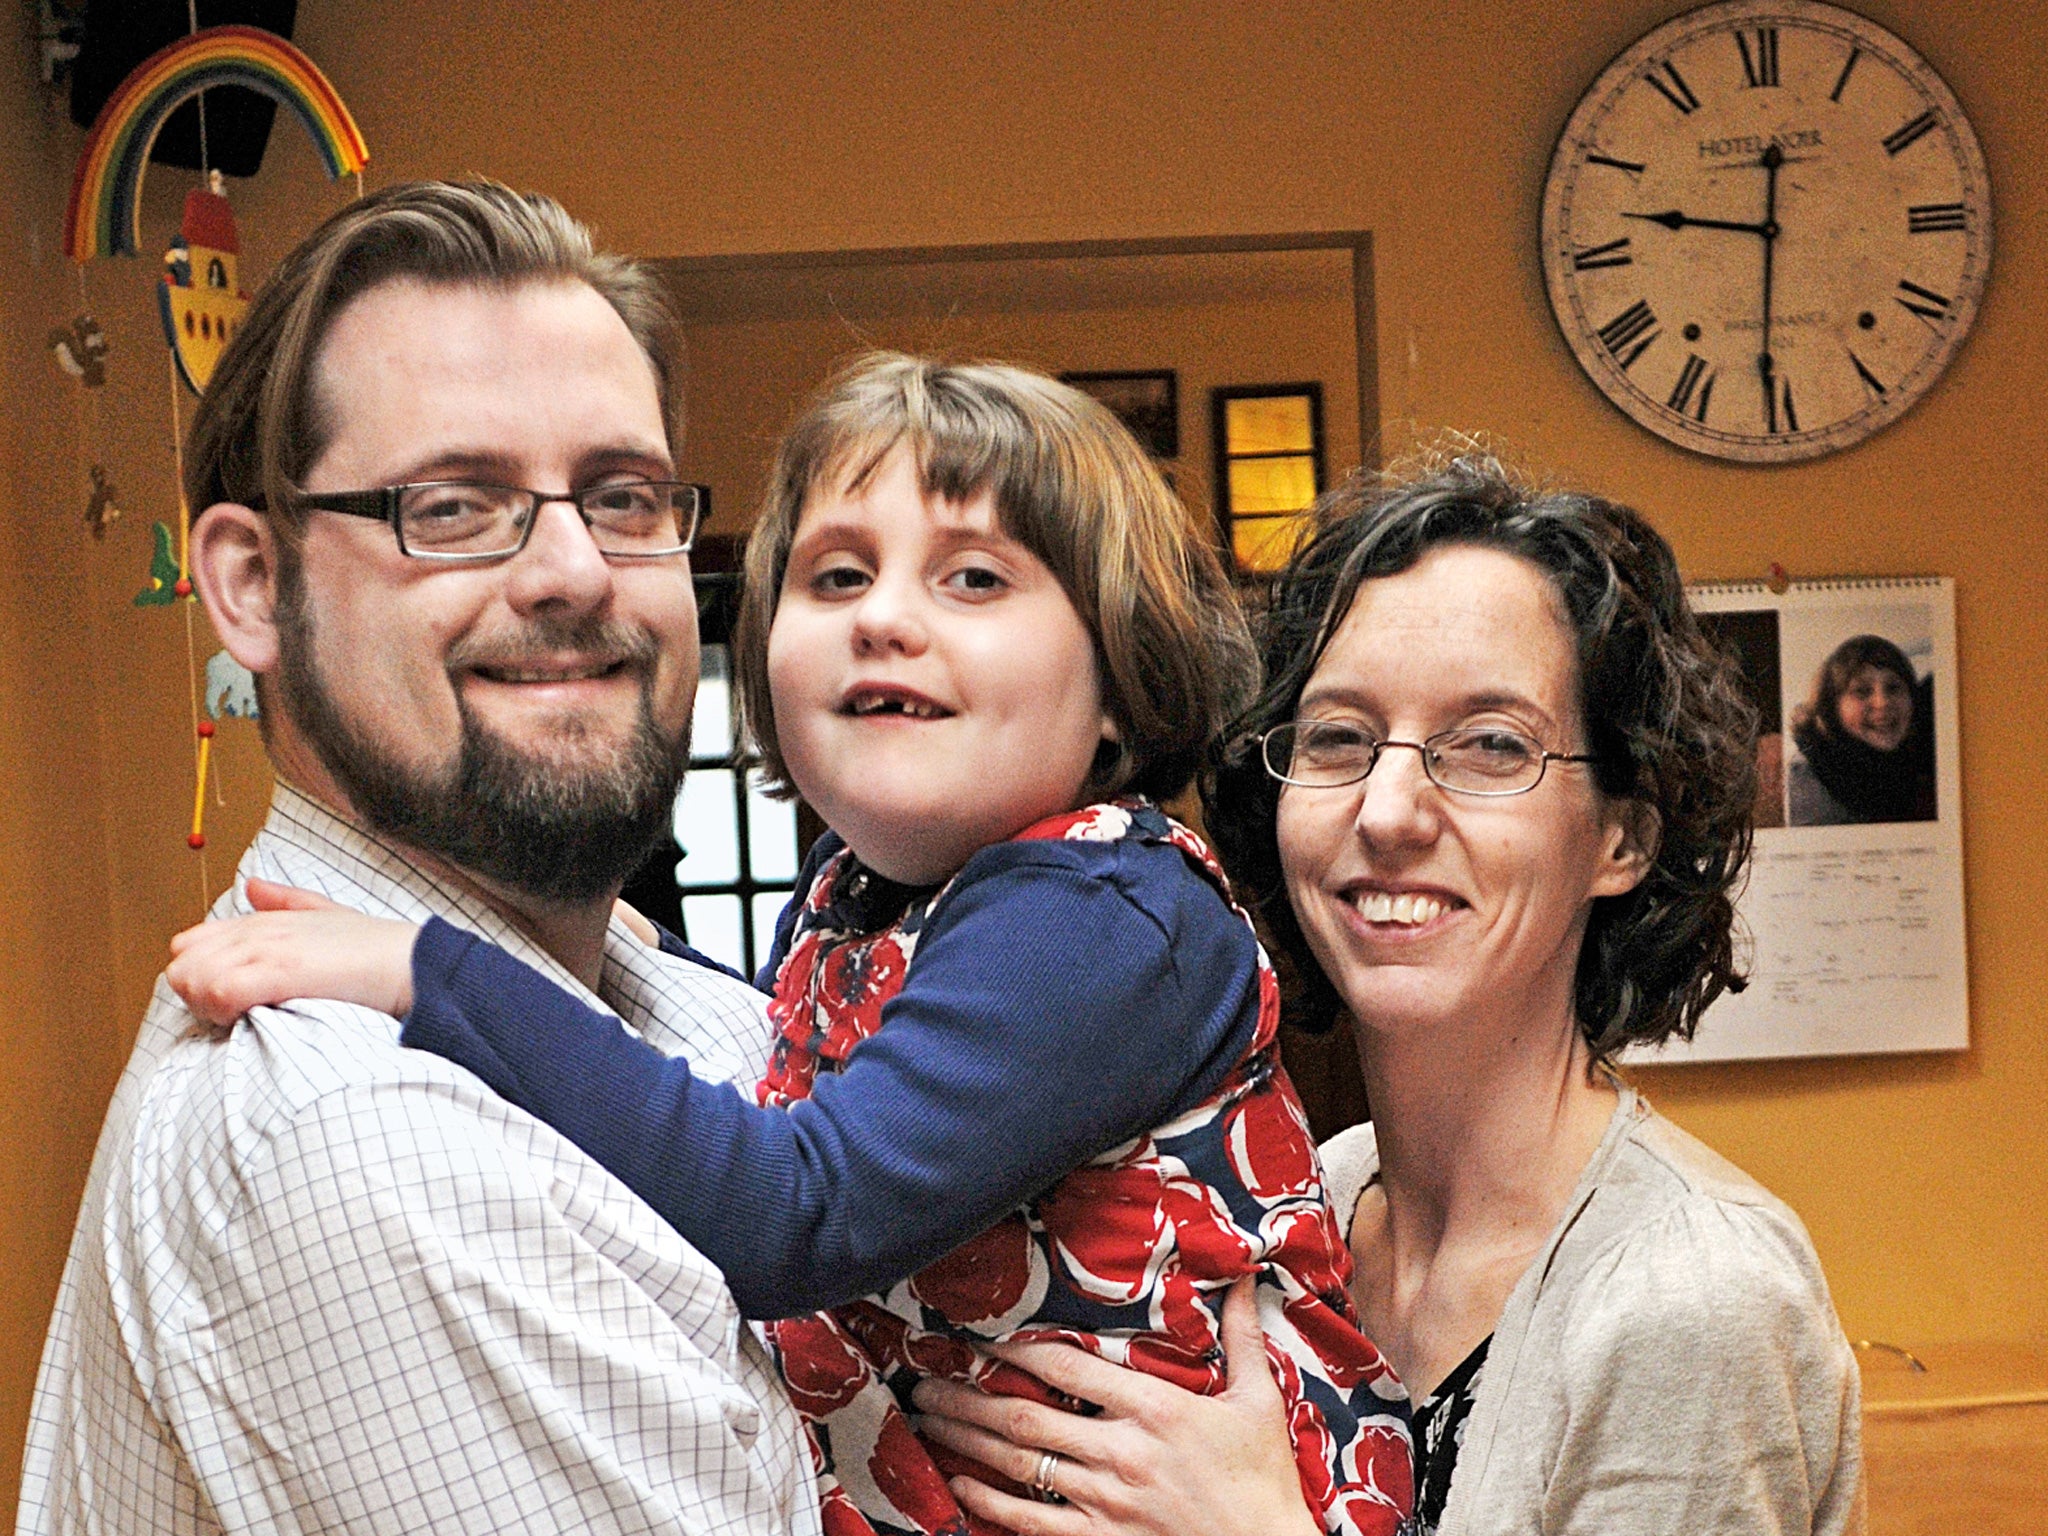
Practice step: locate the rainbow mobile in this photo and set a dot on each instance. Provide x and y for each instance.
(199, 296)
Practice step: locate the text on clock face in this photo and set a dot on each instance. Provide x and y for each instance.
(1756, 144)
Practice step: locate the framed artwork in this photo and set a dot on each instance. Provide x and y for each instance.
(1146, 402)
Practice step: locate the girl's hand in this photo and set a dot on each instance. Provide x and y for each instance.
(295, 945)
(1158, 1461)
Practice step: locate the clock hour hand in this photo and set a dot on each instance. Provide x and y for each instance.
(1671, 218)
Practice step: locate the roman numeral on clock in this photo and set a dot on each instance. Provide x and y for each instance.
(1672, 87)
(1870, 380)
(1633, 167)
(1634, 328)
(1779, 416)
(1613, 254)
(1842, 80)
(1933, 218)
(1759, 56)
(1693, 376)
(1924, 302)
(1910, 133)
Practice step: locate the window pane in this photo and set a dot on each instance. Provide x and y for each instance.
(1262, 544)
(767, 907)
(771, 834)
(708, 828)
(1271, 485)
(712, 924)
(1268, 424)
(711, 726)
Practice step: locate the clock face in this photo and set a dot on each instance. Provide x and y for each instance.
(1766, 228)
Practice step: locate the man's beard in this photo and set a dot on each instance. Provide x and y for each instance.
(558, 832)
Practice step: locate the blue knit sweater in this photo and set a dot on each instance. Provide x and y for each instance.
(1064, 997)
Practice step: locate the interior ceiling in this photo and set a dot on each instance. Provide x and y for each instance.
(919, 287)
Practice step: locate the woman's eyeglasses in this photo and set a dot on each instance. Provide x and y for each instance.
(1472, 760)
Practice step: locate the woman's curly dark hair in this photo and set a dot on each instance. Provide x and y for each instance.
(1665, 714)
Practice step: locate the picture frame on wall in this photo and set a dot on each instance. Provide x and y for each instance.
(1145, 400)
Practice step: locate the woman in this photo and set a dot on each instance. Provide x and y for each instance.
(1865, 739)
(1492, 803)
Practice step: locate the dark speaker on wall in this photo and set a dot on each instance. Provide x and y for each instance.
(120, 34)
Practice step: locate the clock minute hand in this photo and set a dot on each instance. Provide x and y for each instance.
(1671, 218)
(1766, 366)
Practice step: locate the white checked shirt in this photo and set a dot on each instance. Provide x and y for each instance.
(321, 1283)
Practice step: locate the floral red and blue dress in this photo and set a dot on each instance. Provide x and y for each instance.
(1047, 1093)
(1127, 1254)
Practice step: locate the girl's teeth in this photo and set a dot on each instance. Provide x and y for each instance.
(917, 711)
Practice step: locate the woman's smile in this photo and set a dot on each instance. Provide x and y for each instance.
(1405, 911)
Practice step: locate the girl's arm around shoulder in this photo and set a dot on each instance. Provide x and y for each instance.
(1046, 1017)
(1702, 1378)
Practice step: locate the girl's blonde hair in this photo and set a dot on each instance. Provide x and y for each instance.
(1071, 485)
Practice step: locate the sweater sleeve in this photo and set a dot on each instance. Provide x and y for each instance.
(1707, 1386)
(1053, 1010)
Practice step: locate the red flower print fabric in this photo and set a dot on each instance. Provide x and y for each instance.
(1133, 1251)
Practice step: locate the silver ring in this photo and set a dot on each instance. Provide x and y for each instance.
(1041, 1483)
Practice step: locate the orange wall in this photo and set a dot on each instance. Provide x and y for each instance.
(62, 1046)
(746, 377)
(733, 128)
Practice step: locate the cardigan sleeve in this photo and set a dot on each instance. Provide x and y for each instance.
(1063, 999)
(1706, 1385)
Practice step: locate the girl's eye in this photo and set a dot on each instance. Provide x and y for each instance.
(975, 579)
(837, 579)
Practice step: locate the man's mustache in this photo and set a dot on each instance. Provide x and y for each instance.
(545, 641)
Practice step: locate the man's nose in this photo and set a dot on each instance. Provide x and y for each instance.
(561, 566)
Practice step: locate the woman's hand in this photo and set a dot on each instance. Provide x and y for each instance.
(295, 945)
(1158, 1460)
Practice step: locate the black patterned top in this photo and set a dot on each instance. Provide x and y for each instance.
(1439, 1427)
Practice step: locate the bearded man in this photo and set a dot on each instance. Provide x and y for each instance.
(320, 1282)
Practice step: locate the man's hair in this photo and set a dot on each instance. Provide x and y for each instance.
(261, 424)
(1664, 714)
(1824, 710)
(1071, 485)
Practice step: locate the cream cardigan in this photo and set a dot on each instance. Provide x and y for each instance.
(1670, 1362)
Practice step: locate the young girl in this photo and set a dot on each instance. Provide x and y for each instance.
(1025, 1081)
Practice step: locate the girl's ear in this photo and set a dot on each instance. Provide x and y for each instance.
(1628, 849)
(234, 570)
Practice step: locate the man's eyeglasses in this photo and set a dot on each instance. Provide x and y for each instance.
(1473, 760)
(468, 520)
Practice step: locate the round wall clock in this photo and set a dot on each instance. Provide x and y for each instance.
(1765, 229)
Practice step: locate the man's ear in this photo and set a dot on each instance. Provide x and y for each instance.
(1634, 831)
(234, 570)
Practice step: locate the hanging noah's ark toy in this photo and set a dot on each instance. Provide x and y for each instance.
(200, 298)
